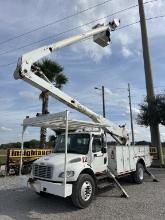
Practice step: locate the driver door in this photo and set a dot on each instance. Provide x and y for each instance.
(99, 161)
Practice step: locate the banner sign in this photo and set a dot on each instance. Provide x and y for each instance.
(28, 153)
(28, 156)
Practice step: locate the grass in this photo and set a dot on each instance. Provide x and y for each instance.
(2, 160)
(3, 154)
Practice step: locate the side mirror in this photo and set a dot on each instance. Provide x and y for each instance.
(103, 150)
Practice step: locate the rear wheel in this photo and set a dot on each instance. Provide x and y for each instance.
(83, 191)
(138, 176)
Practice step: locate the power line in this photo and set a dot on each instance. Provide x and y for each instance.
(77, 27)
(144, 88)
(136, 22)
(139, 88)
(150, 1)
(125, 26)
(54, 22)
(64, 32)
(14, 62)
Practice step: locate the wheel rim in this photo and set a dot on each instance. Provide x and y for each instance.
(86, 190)
(141, 174)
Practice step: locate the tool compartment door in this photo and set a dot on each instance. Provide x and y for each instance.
(123, 159)
(111, 150)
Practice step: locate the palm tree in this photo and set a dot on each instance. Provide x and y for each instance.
(54, 72)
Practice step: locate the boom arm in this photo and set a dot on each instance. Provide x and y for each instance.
(24, 72)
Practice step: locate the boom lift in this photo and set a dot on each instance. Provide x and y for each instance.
(101, 35)
(85, 165)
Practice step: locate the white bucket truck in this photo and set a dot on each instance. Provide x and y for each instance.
(82, 163)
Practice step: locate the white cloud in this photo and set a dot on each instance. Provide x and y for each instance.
(6, 103)
(112, 98)
(108, 92)
(136, 131)
(135, 111)
(126, 52)
(140, 133)
(28, 95)
(125, 37)
(94, 51)
(4, 129)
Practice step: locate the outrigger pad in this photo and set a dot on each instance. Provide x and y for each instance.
(124, 195)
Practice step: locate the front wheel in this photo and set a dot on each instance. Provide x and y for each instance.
(83, 191)
(138, 176)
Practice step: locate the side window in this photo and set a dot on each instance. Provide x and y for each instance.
(96, 146)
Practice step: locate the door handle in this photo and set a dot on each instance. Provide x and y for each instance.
(95, 155)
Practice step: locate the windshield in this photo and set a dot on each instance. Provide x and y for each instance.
(77, 143)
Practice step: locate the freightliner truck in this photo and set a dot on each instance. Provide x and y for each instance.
(82, 163)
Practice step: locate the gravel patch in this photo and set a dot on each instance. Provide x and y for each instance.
(9, 182)
(147, 201)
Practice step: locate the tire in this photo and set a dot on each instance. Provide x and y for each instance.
(138, 176)
(83, 191)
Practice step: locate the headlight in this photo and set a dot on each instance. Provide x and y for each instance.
(68, 174)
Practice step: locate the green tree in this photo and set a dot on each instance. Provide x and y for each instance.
(153, 115)
(54, 73)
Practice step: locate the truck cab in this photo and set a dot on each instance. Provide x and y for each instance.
(86, 158)
(86, 150)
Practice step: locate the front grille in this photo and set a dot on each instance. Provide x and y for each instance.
(42, 171)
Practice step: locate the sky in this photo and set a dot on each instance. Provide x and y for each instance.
(27, 25)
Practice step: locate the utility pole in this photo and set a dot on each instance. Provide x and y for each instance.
(103, 98)
(131, 118)
(154, 129)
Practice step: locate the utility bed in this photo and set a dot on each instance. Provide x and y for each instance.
(123, 159)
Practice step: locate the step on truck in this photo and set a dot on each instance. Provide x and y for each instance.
(88, 162)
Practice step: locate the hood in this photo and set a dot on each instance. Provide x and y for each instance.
(57, 158)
